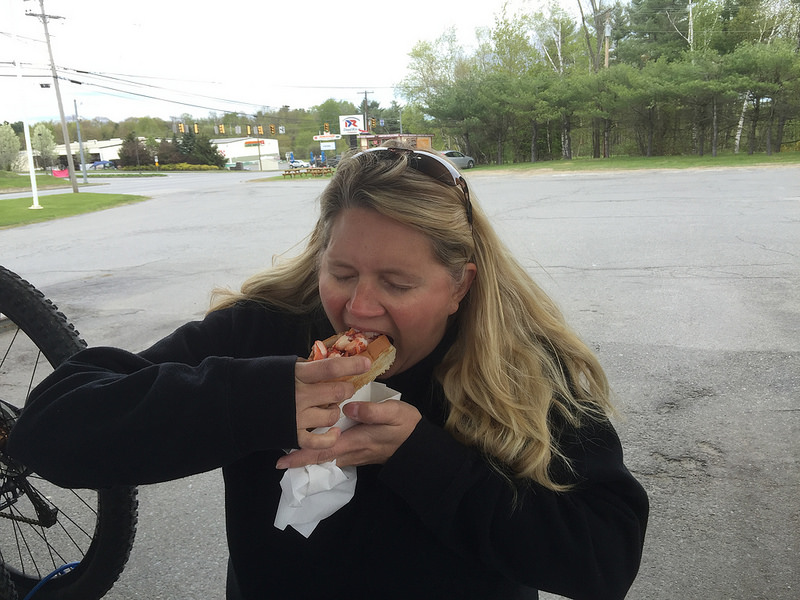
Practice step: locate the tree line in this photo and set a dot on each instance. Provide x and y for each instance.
(642, 78)
(145, 138)
(651, 77)
(189, 149)
(135, 151)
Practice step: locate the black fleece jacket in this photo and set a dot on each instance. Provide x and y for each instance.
(435, 521)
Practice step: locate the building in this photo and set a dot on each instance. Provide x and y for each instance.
(93, 150)
(240, 153)
(423, 141)
(248, 153)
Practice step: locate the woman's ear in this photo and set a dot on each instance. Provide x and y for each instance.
(468, 276)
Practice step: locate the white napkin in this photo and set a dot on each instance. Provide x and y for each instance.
(311, 493)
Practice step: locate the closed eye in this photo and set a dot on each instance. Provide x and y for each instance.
(341, 274)
(398, 287)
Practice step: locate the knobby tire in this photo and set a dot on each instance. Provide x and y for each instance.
(103, 555)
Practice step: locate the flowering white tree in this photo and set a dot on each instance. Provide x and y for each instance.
(43, 143)
(9, 147)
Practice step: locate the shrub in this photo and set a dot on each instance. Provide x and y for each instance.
(188, 167)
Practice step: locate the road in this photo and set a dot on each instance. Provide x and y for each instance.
(686, 283)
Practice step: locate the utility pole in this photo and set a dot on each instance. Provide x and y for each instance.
(70, 163)
(80, 142)
(259, 152)
(365, 109)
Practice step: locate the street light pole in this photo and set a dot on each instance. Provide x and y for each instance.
(70, 162)
(28, 147)
(80, 142)
(366, 108)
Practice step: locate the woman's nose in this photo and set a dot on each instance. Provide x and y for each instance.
(364, 302)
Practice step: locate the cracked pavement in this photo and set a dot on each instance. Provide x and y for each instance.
(686, 283)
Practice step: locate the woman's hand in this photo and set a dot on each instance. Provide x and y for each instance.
(382, 428)
(317, 397)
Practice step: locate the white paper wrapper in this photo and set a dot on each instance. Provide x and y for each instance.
(309, 494)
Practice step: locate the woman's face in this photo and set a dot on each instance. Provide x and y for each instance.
(380, 275)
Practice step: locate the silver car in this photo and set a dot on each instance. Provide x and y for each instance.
(462, 161)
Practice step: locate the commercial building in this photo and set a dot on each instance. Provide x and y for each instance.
(246, 153)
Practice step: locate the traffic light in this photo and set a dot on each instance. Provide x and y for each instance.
(327, 128)
(260, 130)
(196, 128)
(221, 129)
(372, 123)
(181, 128)
(249, 130)
(272, 129)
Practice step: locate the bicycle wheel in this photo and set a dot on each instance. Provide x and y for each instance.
(42, 526)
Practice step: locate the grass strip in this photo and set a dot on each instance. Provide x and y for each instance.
(623, 163)
(18, 211)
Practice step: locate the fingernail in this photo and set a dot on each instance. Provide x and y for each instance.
(283, 463)
(351, 410)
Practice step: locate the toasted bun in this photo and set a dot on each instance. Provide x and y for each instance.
(380, 351)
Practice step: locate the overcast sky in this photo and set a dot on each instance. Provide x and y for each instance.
(236, 56)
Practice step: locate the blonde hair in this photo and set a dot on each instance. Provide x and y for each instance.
(515, 364)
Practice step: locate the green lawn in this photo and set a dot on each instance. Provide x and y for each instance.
(21, 182)
(17, 211)
(15, 182)
(655, 162)
(630, 163)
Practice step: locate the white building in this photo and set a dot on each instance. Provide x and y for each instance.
(250, 152)
(242, 152)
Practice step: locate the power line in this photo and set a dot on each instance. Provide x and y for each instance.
(44, 17)
(112, 77)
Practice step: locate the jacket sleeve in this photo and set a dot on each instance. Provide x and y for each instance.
(585, 543)
(186, 405)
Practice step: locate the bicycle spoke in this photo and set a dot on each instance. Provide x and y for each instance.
(8, 350)
(33, 375)
(42, 526)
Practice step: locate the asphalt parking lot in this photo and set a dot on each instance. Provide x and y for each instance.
(686, 283)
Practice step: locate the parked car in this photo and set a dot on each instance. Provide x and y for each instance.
(298, 164)
(102, 164)
(462, 161)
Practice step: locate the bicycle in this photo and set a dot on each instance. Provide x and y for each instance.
(83, 536)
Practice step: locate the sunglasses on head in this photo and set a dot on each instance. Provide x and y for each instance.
(432, 165)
